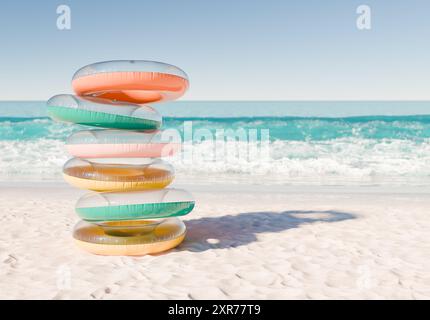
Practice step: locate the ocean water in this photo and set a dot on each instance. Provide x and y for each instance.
(309, 142)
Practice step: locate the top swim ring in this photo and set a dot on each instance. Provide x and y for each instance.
(135, 81)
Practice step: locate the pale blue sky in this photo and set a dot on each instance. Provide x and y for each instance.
(231, 50)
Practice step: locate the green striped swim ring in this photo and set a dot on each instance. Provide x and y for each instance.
(136, 205)
(103, 113)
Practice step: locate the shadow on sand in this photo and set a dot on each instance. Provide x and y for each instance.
(237, 230)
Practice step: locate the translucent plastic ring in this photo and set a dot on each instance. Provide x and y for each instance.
(130, 238)
(103, 113)
(118, 174)
(122, 144)
(135, 81)
(150, 204)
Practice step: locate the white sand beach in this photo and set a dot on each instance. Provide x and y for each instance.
(243, 242)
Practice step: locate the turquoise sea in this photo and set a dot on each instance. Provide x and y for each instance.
(364, 142)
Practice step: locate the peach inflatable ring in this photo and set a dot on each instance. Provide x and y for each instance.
(135, 81)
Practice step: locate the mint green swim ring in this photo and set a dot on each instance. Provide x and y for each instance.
(137, 205)
(98, 112)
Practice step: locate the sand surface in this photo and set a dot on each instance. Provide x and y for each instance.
(242, 242)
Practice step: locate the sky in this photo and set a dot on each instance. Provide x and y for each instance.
(231, 50)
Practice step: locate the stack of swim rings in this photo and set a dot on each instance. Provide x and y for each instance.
(129, 212)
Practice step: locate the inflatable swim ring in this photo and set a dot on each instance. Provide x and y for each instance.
(118, 174)
(133, 238)
(121, 144)
(103, 113)
(151, 204)
(135, 81)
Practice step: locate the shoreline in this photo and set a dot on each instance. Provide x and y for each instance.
(203, 185)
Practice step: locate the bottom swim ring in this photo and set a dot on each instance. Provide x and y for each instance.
(129, 238)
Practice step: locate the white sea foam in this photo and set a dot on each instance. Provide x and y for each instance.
(346, 159)
(32, 159)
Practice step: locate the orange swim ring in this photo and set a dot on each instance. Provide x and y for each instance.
(135, 81)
